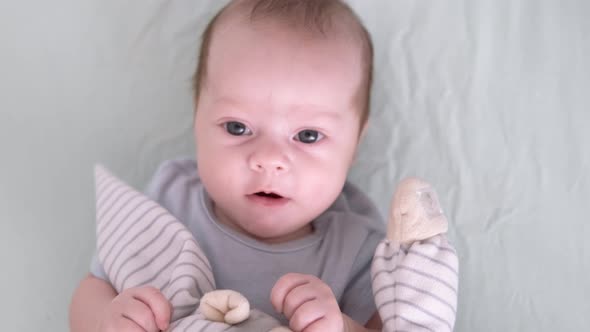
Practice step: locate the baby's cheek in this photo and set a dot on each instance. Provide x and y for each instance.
(325, 188)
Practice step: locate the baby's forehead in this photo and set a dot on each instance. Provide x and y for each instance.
(311, 38)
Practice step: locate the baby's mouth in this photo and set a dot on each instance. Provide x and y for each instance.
(268, 199)
(268, 195)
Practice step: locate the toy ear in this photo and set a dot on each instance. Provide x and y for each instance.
(415, 212)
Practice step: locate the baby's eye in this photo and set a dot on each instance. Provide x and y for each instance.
(309, 136)
(237, 128)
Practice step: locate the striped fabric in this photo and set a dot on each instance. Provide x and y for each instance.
(415, 285)
(139, 243)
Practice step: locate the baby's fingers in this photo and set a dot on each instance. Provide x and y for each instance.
(283, 286)
(297, 297)
(157, 303)
(138, 313)
(309, 317)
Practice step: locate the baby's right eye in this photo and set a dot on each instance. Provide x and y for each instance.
(237, 128)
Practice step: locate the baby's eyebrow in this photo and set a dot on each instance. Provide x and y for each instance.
(316, 111)
(232, 106)
(226, 101)
(301, 110)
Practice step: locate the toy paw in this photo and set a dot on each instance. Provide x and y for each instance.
(415, 212)
(225, 306)
(280, 329)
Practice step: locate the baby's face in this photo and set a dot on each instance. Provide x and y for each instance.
(276, 127)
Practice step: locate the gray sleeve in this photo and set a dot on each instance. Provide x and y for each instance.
(171, 186)
(357, 299)
(96, 268)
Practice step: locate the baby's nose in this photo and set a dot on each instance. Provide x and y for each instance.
(269, 160)
(270, 166)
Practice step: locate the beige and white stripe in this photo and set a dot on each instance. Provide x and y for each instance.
(415, 285)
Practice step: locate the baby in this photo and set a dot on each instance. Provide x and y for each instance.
(282, 100)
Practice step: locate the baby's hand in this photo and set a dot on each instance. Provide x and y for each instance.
(308, 303)
(137, 309)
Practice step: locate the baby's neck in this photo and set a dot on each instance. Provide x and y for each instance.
(298, 234)
(295, 235)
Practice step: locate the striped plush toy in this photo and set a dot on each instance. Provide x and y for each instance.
(415, 269)
(139, 243)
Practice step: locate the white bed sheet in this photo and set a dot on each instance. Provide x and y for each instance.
(488, 100)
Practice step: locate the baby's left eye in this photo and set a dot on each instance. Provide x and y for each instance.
(309, 136)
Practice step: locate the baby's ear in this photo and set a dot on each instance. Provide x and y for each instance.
(415, 212)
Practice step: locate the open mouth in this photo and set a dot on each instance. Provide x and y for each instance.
(268, 195)
(268, 199)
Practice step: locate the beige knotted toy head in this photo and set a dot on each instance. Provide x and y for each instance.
(415, 212)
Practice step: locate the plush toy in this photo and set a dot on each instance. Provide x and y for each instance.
(415, 269)
(139, 243)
